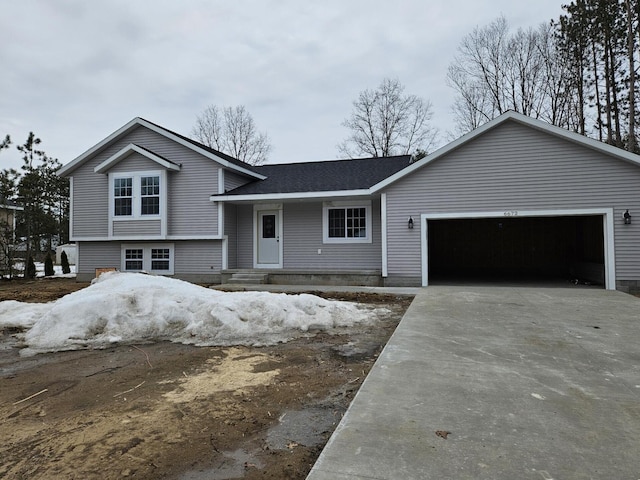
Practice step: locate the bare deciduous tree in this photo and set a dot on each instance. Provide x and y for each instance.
(386, 122)
(231, 130)
(496, 71)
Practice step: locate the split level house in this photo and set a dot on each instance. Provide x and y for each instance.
(515, 199)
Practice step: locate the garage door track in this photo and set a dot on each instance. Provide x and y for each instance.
(499, 383)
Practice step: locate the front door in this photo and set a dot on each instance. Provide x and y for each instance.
(268, 241)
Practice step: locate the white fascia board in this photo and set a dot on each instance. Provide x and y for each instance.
(437, 154)
(11, 207)
(124, 152)
(69, 167)
(195, 237)
(290, 196)
(66, 169)
(576, 138)
(520, 118)
(145, 239)
(191, 146)
(513, 213)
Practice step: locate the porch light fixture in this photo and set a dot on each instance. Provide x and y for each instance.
(410, 223)
(627, 217)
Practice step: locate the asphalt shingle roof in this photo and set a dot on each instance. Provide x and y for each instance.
(327, 176)
(226, 157)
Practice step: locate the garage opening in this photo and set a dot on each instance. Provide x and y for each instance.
(521, 249)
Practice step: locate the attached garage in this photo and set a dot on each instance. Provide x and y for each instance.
(517, 249)
(515, 200)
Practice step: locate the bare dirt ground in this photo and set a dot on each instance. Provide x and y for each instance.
(172, 411)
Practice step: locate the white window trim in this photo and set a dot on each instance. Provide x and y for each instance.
(136, 201)
(326, 206)
(146, 257)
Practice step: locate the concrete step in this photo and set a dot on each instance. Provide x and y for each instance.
(249, 278)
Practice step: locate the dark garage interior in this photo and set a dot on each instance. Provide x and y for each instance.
(517, 249)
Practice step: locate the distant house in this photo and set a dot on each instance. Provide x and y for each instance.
(515, 199)
(8, 209)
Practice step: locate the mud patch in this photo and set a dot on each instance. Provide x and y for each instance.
(234, 373)
(172, 411)
(230, 465)
(309, 427)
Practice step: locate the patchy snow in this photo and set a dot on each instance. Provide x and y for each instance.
(19, 268)
(132, 307)
(57, 269)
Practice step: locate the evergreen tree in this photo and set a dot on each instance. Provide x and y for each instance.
(30, 271)
(64, 261)
(580, 74)
(601, 39)
(44, 196)
(48, 266)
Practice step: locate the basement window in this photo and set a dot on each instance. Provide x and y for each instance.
(153, 258)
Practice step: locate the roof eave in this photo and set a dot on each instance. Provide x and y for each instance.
(131, 148)
(290, 196)
(11, 207)
(522, 119)
(78, 161)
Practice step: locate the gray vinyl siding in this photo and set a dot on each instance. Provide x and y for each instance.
(92, 255)
(190, 210)
(514, 167)
(201, 257)
(90, 203)
(138, 228)
(198, 257)
(245, 236)
(134, 163)
(303, 238)
(231, 231)
(233, 180)
(190, 213)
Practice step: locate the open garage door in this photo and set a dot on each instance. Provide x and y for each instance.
(540, 249)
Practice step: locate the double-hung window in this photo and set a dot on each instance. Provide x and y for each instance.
(347, 222)
(137, 195)
(122, 196)
(154, 258)
(150, 195)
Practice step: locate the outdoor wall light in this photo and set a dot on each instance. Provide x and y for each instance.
(627, 217)
(410, 223)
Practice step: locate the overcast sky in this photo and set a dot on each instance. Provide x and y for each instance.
(74, 71)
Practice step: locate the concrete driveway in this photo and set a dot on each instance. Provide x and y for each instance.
(529, 383)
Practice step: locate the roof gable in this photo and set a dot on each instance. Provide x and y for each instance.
(133, 148)
(521, 119)
(219, 157)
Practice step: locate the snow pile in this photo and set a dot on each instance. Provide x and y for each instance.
(129, 307)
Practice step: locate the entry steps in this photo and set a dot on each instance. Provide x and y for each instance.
(249, 278)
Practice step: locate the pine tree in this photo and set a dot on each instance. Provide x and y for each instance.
(48, 266)
(30, 271)
(64, 261)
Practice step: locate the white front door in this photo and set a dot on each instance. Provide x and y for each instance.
(268, 239)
